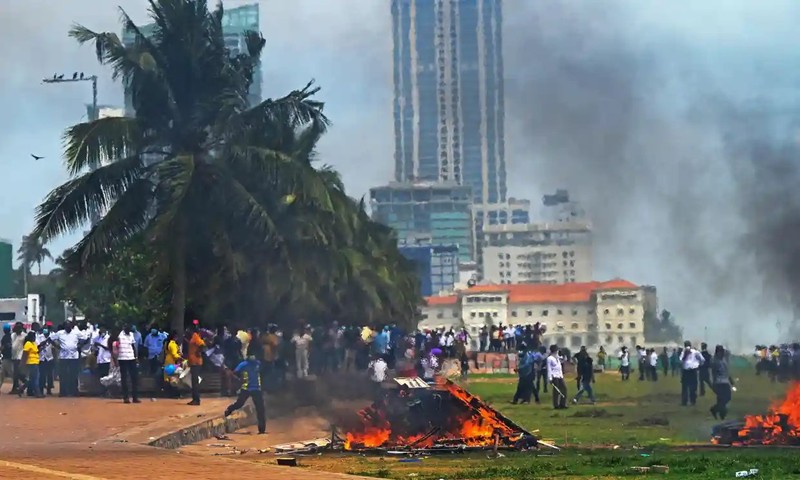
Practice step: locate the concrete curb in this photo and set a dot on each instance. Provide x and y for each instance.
(206, 429)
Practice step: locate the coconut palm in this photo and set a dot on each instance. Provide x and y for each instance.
(31, 251)
(188, 162)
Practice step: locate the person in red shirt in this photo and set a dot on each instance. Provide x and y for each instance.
(195, 359)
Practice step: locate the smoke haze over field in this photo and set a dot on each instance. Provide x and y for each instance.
(673, 124)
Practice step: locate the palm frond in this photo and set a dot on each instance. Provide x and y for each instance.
(127, 217)
(91, 144)
(70, 205)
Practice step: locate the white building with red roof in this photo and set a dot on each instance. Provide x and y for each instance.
(590, 313)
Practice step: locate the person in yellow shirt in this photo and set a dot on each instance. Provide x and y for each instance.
(30, 358)
(172, 356)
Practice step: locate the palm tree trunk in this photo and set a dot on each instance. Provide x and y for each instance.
(178, 273)
(25, 279)
(39, 264)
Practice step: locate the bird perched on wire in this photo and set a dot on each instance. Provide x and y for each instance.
(36, 157)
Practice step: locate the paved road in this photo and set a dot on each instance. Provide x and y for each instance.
(78, 439)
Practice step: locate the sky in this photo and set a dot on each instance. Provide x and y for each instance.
(648, 111)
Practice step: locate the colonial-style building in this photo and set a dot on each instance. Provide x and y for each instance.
(590, 313)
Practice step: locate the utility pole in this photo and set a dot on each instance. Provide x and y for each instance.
(79, 77)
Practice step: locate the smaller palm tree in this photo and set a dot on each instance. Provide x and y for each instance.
(31, 251)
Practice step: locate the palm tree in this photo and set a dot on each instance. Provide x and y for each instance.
(190, 158)
(31, 251)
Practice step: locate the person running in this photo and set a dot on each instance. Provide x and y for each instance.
(249, 372)
(722, 383)
(555, 375)
(586, 374)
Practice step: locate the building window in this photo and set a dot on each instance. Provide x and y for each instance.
(572, 253)
(440, 315)
(545, 313)
(634, 340)
(574, 326)
(455, 313)
(500, 256)
(472, 314)
(424, 316)
(574, 313)
(620, 312)
(483, 314)
(559, 312)
(576, 341)
(605, 311)
(620, 340)
(564, 254)
(609, 339)
(632, 311)
(529, 313)
(619, 326)
(590, 312)
(632, 325)
(608, 326)
(513, 313)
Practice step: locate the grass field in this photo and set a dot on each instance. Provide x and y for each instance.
(633, 424)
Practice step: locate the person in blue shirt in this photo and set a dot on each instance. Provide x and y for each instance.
(526, 372)
(248, 372)
(154, 343)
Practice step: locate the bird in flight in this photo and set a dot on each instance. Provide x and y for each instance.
(36, 157)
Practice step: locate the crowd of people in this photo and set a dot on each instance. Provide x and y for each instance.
(252, 362)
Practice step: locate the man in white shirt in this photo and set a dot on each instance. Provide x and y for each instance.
(555, 376)
(642, 357)
(378, 369)
(302, 342)
(45, 360)
(69, 342)
(653, 364)
(128, 369)
(691, 360)
(17, 342)
(103, 354)
(624, 363)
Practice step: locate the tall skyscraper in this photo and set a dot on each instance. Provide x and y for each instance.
(448, 94)
(235, 23)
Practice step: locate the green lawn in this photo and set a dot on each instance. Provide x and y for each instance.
(633, 424)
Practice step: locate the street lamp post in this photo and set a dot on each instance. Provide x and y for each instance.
(79, 78)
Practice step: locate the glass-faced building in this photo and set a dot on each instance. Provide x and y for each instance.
(426, 213)
(448, 94)
(437, 267)
(235, 23)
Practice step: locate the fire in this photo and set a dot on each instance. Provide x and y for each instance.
(445, 415)
(780, 426)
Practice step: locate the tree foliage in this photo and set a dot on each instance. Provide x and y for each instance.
(227, 197)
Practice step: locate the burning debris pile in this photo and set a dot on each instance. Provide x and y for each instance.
(781, 426)
(415, 416)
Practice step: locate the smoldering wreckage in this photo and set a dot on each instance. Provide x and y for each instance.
(413, 417)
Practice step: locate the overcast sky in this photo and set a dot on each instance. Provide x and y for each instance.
(597, 101)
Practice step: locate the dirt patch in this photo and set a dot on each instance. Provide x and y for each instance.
(653, 421)
(595, 413)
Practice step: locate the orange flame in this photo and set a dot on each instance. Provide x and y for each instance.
(781, 425)
(475, 426)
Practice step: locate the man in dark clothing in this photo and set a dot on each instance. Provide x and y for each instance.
(526, 373)
(579, 357)
(705, 370)
(6, 363)
(541, 372)
(586, 376)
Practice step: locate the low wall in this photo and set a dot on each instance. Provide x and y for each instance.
(206, 429)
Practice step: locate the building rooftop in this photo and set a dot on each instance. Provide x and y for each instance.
(539, 292)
